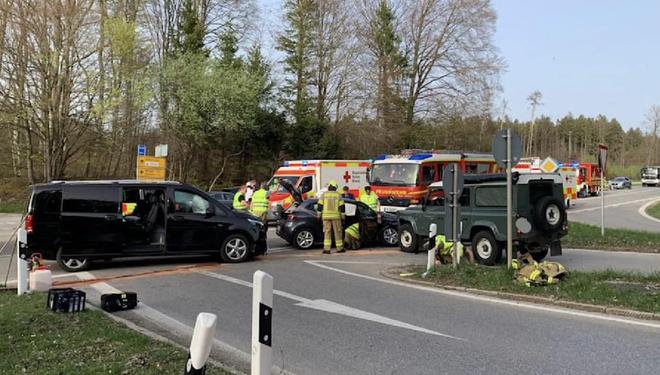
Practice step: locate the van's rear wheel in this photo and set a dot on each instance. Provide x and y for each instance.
(486, 249)
(71, 263)
(408, 241)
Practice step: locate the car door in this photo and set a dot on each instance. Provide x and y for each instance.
(368, 223)
(143, 219)
(192, 223)
(91, 221)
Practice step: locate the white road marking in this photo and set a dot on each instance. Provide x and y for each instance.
(174, 326)
(476, 297)
(333, 307)
(642, 211)
(612, 205)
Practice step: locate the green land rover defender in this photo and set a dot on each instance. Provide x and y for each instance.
(538, 214)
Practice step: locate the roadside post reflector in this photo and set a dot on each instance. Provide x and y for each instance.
(430, 258)
(262, 318)
(22, 261)
(200, 345)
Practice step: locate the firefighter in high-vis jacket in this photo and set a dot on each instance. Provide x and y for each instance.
(331, 207)
(352, 236)
(444, 251)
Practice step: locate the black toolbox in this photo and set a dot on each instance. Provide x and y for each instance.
(119, 301)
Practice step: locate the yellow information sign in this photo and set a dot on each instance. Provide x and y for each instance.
(150, 168)
(549, 165)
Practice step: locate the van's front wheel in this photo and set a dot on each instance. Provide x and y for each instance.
(235, 249)
(71, 263)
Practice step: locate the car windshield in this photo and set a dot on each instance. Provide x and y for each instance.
(274, 183)
(394, 174)
(619, 179)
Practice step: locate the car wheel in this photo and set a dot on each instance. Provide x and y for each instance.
(539, 255)
(303, 239)
(408, 241)
(485, 248)
(72, 263)
(550, 213)
(235, 249)
(389, 236)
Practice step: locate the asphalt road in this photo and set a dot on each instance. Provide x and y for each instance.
(337, 315)
(622, 209)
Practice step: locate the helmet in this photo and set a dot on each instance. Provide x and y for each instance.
(332, 183)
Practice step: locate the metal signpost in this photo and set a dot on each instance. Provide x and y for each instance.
(602, 163)
(506, 150)
(452, 184)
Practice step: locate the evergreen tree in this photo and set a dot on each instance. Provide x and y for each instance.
(191, 30)
(229, 48)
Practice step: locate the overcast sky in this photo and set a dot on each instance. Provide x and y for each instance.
(585, 56)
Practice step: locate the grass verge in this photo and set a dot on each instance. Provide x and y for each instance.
(34, 340)
(654, 210)
(12, 207)
(606, 288)
(585, 236)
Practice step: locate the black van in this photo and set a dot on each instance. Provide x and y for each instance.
(76, 222)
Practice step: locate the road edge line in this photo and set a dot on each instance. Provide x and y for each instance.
(642, 210)
(496, 300)
(618, 311)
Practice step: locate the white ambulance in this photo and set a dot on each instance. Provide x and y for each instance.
(312, 176)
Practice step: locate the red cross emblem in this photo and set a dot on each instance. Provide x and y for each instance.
(347, 177)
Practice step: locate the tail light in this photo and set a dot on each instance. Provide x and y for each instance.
(28, 224)
(291, 217)
(414, 201)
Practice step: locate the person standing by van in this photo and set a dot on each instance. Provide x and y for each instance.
(331, 207)
(240, 203)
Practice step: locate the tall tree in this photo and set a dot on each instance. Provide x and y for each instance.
(452, 58)
(383, 42)
(534, 100)
(653, 124)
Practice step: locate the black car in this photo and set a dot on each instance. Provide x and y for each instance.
(302, 227)
(77, 222)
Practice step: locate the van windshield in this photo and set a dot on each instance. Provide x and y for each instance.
(394, 174)
(274, 183)
(649, 171)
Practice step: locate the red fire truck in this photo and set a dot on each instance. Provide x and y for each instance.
(589, 182)
(403, 180)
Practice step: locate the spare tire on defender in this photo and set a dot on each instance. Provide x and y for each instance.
(549, 213)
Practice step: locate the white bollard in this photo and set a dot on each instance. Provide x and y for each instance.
(201, 343)
(430, 257)
(22, 263)
(262, 318)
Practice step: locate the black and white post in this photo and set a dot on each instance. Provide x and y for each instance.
(201, 343)
(262, 318)
(22, 263)
(430, 256)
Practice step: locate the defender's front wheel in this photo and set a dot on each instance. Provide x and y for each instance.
(486, 249)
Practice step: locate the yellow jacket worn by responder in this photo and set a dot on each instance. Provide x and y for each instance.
(370, 200)
(238, 203)
(445, 248)
(352, 236)
(530, 272)
(259, 206)
(331, 207)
